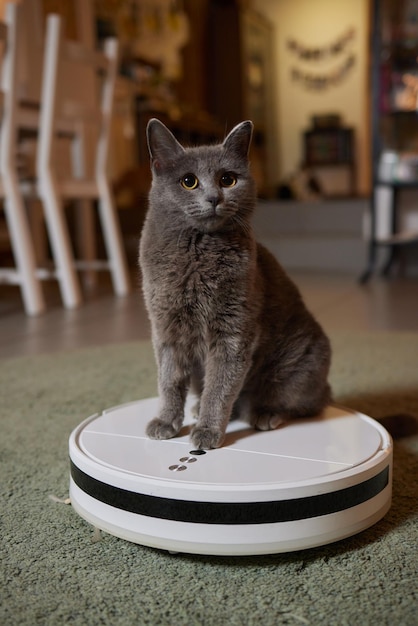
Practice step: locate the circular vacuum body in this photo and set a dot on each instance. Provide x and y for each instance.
(311, 482)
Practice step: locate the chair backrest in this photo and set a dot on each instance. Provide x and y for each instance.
(3, 52)
(78, 87)
(3, 67)
(30, 37)
(31, 43)
(9, 56)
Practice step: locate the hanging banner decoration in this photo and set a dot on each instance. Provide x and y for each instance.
(319, 53)
(323, 81)
(318, 81)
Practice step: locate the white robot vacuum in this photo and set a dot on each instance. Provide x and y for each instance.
(308, 483)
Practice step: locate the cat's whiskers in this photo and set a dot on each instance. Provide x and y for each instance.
(242, 223)
(180, 237)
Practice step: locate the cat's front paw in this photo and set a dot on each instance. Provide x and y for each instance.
(207, 438)
(159, 429)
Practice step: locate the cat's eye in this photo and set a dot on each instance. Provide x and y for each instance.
(228, 179)
(189, 181)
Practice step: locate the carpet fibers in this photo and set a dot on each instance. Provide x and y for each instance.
(54, 572)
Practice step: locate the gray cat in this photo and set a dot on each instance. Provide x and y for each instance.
(226, 320)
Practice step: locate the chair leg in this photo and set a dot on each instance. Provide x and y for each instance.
(86, 238)
(113, 240)
(37, 229)
(60, 243)
(23, 250)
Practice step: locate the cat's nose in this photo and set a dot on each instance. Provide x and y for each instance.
(214, 201)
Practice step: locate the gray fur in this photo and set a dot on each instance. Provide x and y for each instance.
(226, 320)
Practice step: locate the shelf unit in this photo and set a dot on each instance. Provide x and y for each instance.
(239, 67)
(394, 102)
(331, 147)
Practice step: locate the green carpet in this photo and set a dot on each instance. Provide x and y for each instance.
(54, 573)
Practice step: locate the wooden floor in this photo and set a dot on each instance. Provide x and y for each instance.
(338, 302)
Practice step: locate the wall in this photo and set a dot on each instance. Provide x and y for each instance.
(317, 23)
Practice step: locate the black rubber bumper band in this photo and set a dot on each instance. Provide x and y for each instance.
(231, 512)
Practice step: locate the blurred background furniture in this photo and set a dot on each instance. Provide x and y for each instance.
(392, 224)
(17, 115)
(56, 121)
(76, 108)
(331, 146)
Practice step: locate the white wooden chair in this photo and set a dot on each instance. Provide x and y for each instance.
(76, 105)
(15, 116)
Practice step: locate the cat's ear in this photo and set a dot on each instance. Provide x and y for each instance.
(162, 145)
(239, 139)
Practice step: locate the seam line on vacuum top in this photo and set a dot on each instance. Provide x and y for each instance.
(186, 443)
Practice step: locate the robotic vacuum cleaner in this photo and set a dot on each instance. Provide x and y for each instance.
(305, 484)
